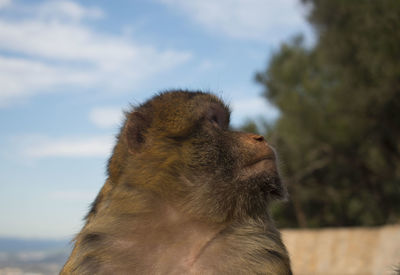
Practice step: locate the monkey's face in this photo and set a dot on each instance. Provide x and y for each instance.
(208, 169)
(236, 171)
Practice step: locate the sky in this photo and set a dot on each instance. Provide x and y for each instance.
(68, 69)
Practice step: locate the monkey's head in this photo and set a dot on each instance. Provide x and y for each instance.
(179, 147)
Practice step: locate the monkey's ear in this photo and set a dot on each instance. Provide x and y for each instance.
(135, 128)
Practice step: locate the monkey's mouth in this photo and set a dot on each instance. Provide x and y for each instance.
(269, 157)
(264, 164)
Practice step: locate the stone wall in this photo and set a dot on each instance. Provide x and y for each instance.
(344, 251)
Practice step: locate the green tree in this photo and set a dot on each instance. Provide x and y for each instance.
(338, 134)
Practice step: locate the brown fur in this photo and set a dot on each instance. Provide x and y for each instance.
(185, 195)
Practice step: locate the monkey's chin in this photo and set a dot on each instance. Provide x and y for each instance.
(264, 177)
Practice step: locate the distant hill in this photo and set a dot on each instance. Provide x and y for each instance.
(39, 256)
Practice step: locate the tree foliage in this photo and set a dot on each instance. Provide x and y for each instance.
(338, 135)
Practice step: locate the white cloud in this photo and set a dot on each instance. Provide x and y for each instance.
(68, 10)
(4, 3)
(106, 117)
(267, 20)
(23, 77)
(49, 53)
(44, 147)
(253, 108)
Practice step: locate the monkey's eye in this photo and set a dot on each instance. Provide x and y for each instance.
(217, 117)
(214, 120)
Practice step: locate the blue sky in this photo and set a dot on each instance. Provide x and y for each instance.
(69, 68)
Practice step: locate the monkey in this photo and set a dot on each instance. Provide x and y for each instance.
(185, 194)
